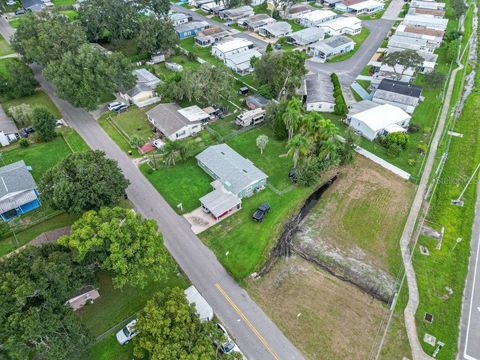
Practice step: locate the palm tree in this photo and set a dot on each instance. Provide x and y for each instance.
(292, 116)
(171, 151)
(299, 146)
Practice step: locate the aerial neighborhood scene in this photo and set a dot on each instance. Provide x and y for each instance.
(239, 179)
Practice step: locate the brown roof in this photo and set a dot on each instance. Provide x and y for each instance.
(299, 8)
(211, 31)
(422, 31)
(433, 12)
(352, 2)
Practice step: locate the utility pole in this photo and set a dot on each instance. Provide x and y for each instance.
(459, 201)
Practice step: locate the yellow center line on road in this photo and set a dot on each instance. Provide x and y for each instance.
(250, 325)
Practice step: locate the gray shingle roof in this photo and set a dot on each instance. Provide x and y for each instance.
(16, 186)
(232, 169)
(167, 118)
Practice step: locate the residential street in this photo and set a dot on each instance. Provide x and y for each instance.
(255, 333)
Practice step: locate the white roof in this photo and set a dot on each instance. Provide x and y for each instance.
(230, 44)
(380, 117)
(394, 128)
(369, 4)
(426, 19)
(318, 15)
(193, 113)
(204, 310)
(243, 56)
(342, 22)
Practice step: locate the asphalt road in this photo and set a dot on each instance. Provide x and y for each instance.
(348, 70)
(255, 333)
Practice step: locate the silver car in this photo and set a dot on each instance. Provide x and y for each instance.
(127, 333)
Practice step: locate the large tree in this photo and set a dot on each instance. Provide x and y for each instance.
(18, 80)
(156, 35)
(169, 328)
(46, 36)
(109, 19)
(120, 241)
(83, 77)
(289, 68)
(83, 181)
(292, 116)
(44, 123)
(401, 61)
(36, 282)
(208, 84)
(160, 8)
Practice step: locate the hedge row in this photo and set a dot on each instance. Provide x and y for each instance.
(340, 103)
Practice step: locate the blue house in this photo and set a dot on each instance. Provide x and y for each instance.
(190, 29)
(18, 191)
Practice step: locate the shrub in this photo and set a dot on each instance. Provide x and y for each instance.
(413, 128)
(24, 143)
(396, 140)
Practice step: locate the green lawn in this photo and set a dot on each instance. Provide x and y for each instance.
(40, 156)
(64, 2)
(241, 244)
(218, 19)
(184, 183)
(295, 26)
(201, 52)
(5, 49)
(122, 127)
(70, 14)
(358, 39)
(15, 22)
(3, 65)
(161, 71)
(40, 98)
(448, 266)
(109, 349)
(116, 305)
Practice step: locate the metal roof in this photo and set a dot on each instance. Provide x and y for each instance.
(400, 87)
(307, 36)
(243, 57)
(193, 25)
(7, 125)
(279, 28)
(168, 119)
(17, 186)
(329, 45)
(219, 201)
(233, 170)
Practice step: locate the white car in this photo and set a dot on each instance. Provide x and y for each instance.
(114, 105)
(228, 346)
(127, 333)
(11, 2)
(158, 143)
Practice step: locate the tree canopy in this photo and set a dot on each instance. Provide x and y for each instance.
(160, 8)
(46, 36)
(18, 80)
(44, 123)
(83, 77)
(83, 181)
(208, 84)
(109, 19)
(169, 328)
(289, 68)
(120, 241)
(156, 35)
(407, 59)
(36, 282)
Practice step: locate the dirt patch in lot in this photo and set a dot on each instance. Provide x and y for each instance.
(361, 215)
(322, 315)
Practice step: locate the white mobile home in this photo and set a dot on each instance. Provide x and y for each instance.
(230, 45)
(343, 25)
(317, 93)
(330, 47)
(425, 22)
(316, 17)
(380, 120)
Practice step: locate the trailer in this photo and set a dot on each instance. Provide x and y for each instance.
(250, 117)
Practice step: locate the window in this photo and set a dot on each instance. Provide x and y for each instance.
(180, 133)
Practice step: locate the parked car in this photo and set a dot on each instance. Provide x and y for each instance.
(260, 213)
(228, 345)
(11, 2)
(127, 333)
(23, 133)
(158, 143)
(30, 130)
(121, 108)
(114, 105)
(20, 11)
(243, 90)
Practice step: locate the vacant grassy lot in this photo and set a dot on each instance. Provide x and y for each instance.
(204, 53)
(5, 49)
(166, 74)
(323, 316)
(40, 98)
